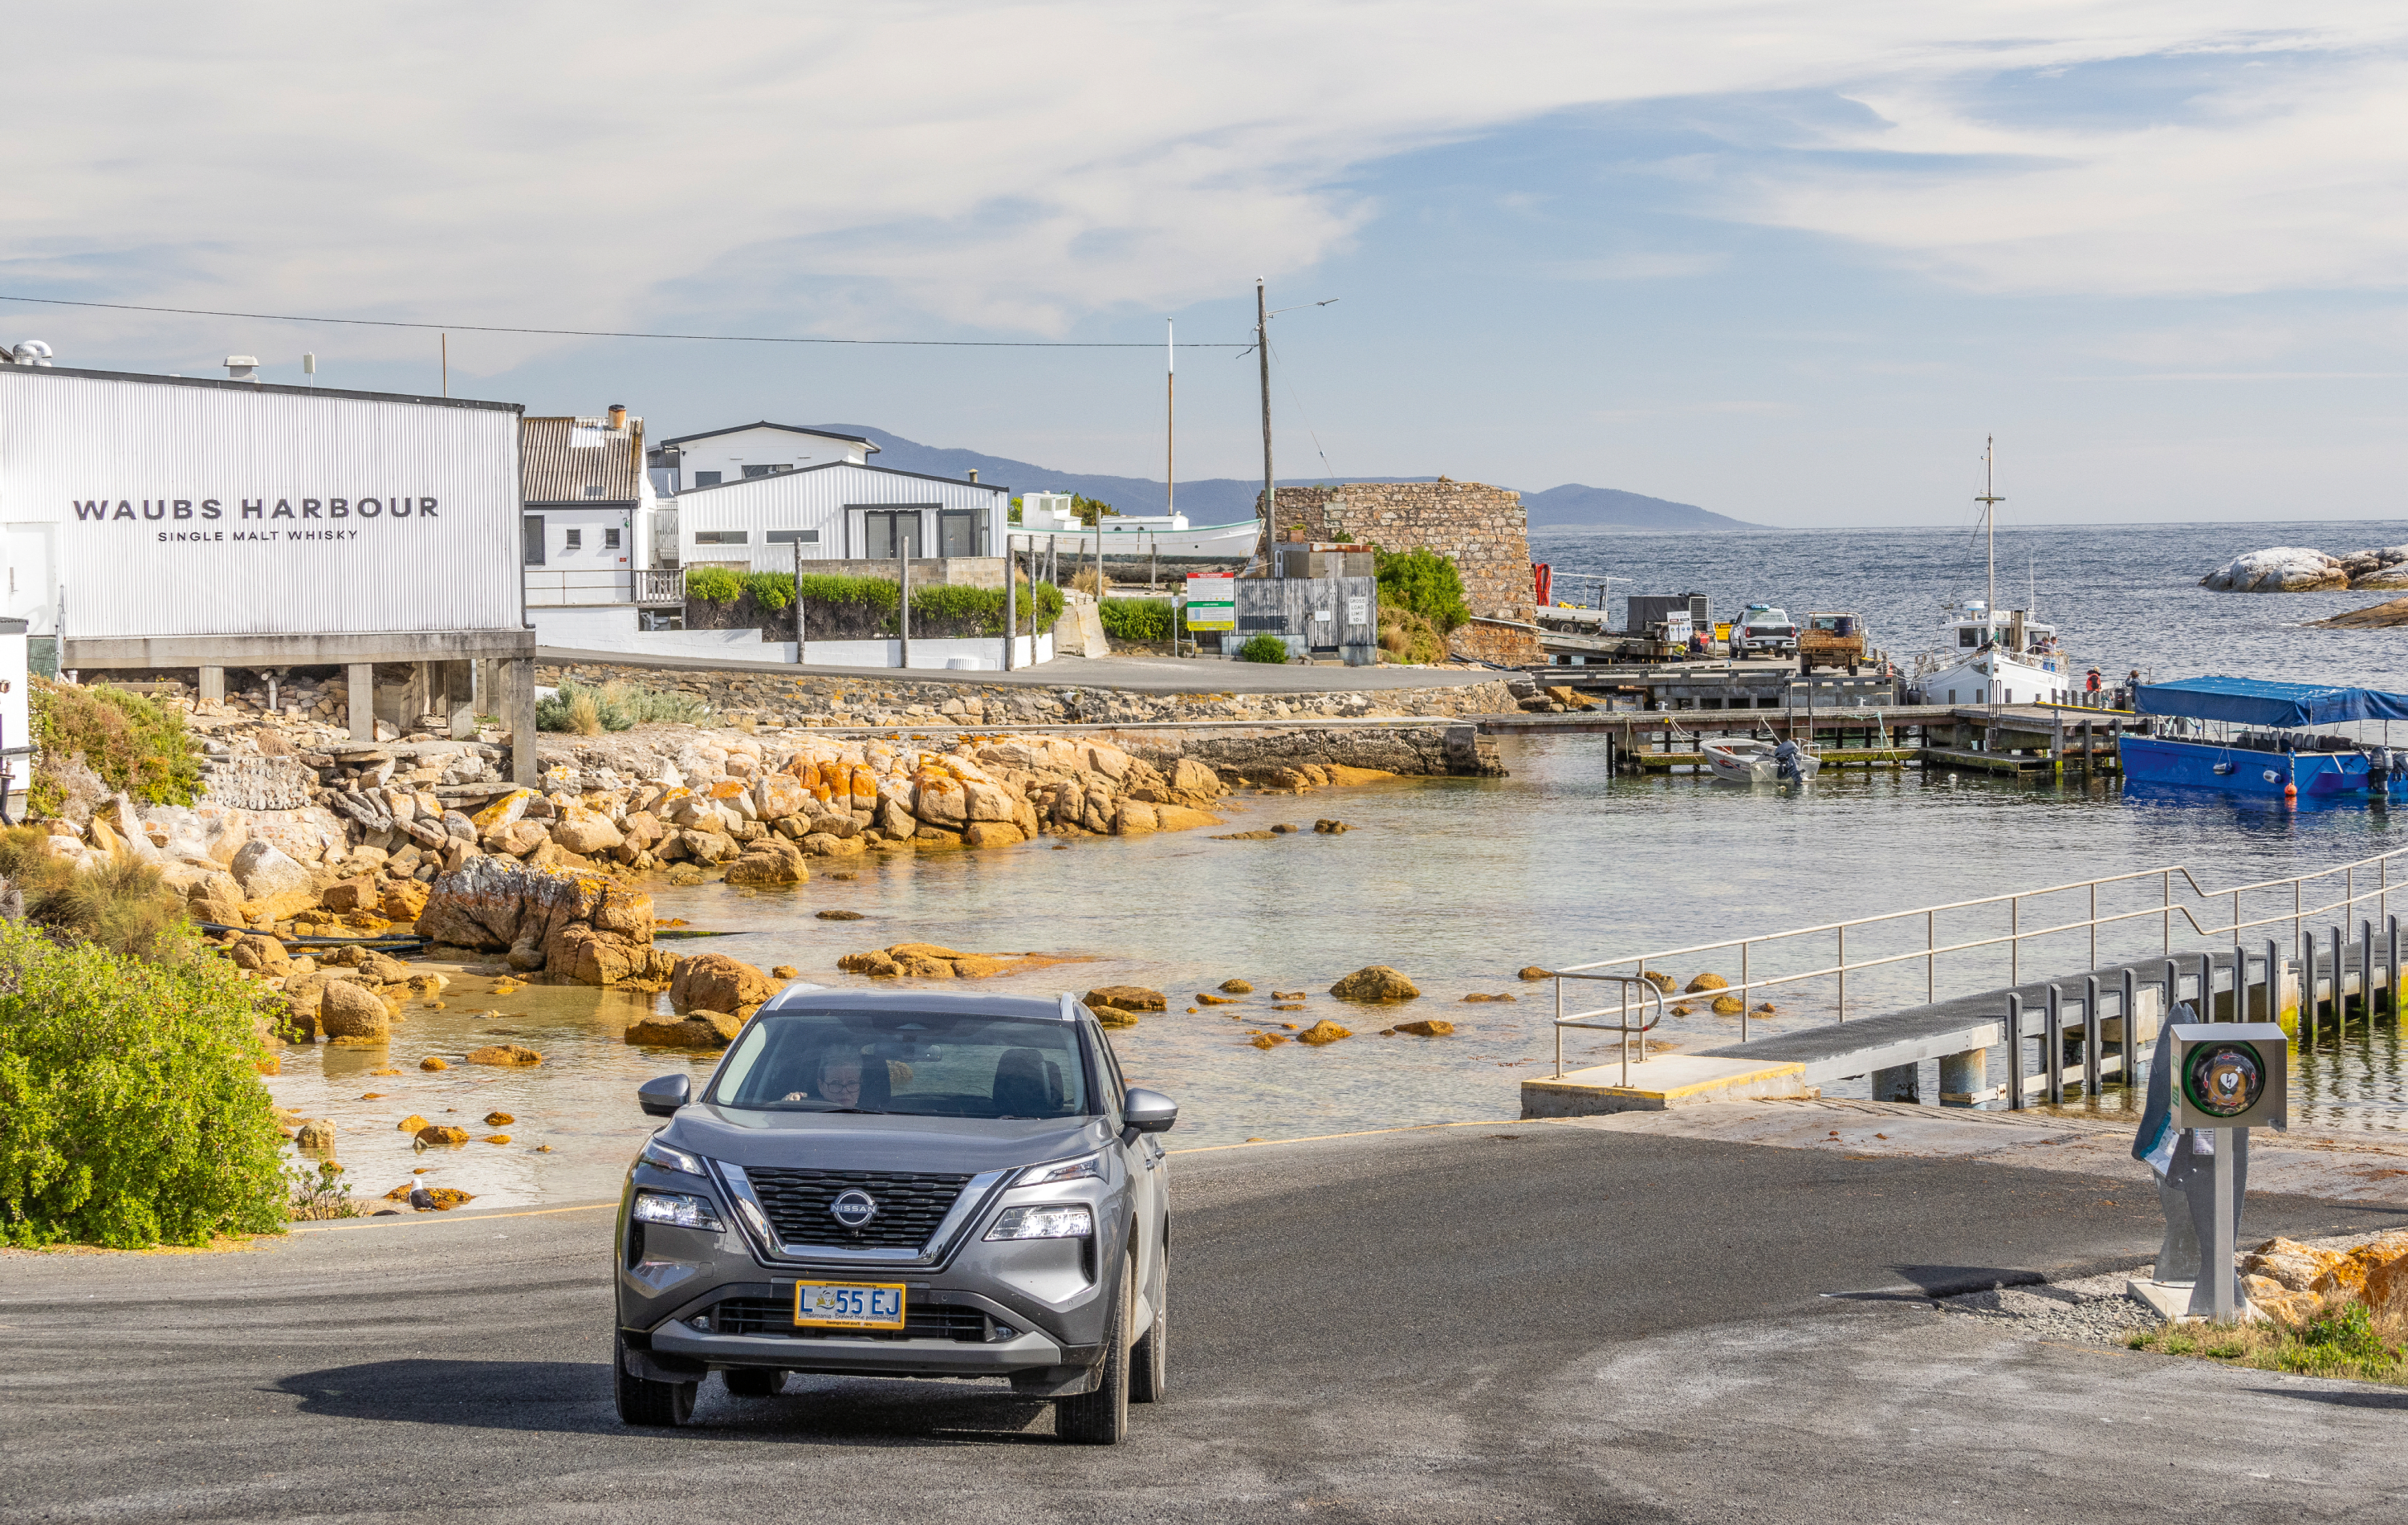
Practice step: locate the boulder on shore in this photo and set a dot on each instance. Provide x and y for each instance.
(1134, 998)
(713, 982)
(2388, 616)
(572, 925)
(703, 1030)
(509, 1055)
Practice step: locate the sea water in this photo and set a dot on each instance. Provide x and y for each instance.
(1460, 883)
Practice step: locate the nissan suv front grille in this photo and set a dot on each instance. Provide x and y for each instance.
(776, 1316)
(903, 1212)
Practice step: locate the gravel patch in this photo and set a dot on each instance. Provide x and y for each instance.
(2093, 1310)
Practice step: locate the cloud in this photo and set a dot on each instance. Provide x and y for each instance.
(1026, 168)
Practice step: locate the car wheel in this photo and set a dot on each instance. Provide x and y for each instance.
(753, 1381)
(644, 1401)
(1149, 1363)
(1100, 1417)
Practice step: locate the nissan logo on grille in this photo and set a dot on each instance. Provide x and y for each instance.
(853, 1209)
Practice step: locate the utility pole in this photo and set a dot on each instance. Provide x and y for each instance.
(1171, 414)
(1263, 355)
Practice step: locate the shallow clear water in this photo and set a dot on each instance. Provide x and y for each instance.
(1461, 882)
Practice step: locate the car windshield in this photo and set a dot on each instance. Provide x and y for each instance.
(916, 1064)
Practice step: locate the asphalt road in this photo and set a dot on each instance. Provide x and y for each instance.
(1510, 1322)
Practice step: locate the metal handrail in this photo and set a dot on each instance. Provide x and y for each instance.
(1623, 1027)
(2017, 934)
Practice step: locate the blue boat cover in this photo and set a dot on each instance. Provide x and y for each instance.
(2261, 701)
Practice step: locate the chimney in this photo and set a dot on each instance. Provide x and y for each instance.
(973, 473)
(618, 415)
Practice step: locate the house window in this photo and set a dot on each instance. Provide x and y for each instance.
(706, 478)
(610, 539)
(573, 539)
(886, 531)
(793, 536)
(719, 537)
(597, 492)
(957, 532)
(533, 524)
(766, 470)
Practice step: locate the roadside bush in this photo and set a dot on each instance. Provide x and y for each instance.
(124, 907)
(1426, 582)
(1406, 637)
(713, 585)
(131, 1110)
(130, 742)
(1137, 619)
(772, 591)
(587, 711)
(1263, 647)
(316, 1195)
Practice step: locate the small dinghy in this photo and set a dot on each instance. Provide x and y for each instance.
(1749, 760)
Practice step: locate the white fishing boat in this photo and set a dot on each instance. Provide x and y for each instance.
(1750, 760)
(1992, 655)
(1047, 519)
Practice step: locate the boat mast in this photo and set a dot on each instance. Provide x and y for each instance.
(1991, 502)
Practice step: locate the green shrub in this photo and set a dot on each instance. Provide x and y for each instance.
(876, 592)
(772, 591)
(1406, 637)
(1426, 582)
(122, 906)
(1137, 619)
(1263, 647)
(132, 743)
(713, 585)
(131, 1110)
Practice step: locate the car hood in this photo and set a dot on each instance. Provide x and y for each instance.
(872, 1142)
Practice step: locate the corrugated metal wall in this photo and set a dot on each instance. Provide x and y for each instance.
(818, 500)
(305, 539)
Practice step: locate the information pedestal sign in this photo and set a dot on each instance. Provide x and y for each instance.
(2228, 1078)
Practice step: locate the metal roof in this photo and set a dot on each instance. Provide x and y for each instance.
(765, 423)
(850, 466)
(581, 461)
(2261, 701)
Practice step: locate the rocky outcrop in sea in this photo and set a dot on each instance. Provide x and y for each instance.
(2299, 569)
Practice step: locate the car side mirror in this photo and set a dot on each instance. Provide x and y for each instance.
(662, 1097)
(1149, 1112)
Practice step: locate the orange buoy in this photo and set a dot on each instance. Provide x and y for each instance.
(2290, 791)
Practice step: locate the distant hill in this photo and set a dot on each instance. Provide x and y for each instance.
(1573, 506)
(1211, 500)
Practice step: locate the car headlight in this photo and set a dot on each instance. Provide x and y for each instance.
(1089, 1168)
(676, 1209)
(656, 1153)
(1065, 1220)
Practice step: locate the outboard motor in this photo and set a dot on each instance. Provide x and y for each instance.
(1786, 755)
(2378, 779)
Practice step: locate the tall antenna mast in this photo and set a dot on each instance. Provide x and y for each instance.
(1991, 502)
(1263, 355)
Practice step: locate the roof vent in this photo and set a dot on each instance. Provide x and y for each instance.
(973, 473)
(242, 367)
(618, 415)
(32, 351)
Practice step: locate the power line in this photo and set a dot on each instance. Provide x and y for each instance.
(608, 333)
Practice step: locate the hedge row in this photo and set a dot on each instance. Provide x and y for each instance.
(863, 608)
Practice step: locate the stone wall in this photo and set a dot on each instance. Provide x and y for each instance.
(775, 699)
(1483, 530)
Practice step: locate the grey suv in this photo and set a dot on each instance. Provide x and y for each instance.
(901, 1184)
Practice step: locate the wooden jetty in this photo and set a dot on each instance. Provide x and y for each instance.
(2022, 739)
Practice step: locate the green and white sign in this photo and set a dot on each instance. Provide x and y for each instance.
(1211, 602)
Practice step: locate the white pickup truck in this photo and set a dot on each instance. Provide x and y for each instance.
(1764, 631)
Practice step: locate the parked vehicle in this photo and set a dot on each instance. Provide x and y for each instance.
(1764, 631)
(901, 1184)
(1831, 639)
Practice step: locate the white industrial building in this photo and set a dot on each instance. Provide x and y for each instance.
(716, 457)
(840, 511)
(162, 522)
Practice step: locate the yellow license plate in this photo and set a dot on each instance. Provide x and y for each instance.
(849, 1305)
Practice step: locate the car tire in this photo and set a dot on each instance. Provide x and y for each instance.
(1100, 1417)
(657, 1406)
(754, 1382)
(1149, 1363)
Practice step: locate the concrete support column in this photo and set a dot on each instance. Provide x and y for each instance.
(213, 686)
(421, 697)
(518, 716)
(459, 700)
(1897, 1084)
(488, 686)
(360, 676)
(1964, 1077)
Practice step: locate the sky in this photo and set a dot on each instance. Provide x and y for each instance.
(1793, 263)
